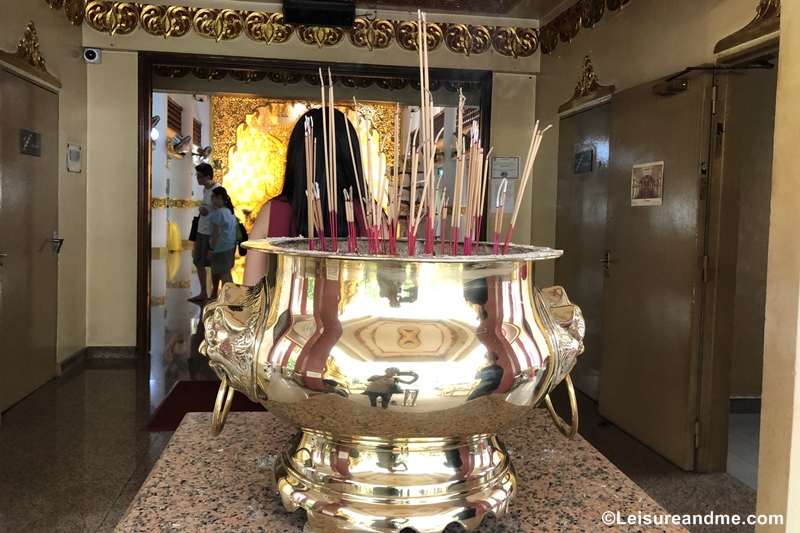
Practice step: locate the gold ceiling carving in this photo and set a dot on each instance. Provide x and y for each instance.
(122, 18)
(588, 89)
(582, 14)
(291, 78)
(767, 21)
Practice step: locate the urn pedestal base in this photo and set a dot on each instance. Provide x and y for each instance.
(378, 486)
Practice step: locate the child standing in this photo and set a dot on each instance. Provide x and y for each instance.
(223, 239)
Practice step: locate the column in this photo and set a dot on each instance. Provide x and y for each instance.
(779, 454)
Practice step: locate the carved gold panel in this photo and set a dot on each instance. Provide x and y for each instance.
(566, 26)
(166, 21)
(371, 34)
(228, 24)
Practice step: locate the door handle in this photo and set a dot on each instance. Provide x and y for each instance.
(56, 241)
(606, 260)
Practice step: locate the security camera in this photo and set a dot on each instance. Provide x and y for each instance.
(92, 55)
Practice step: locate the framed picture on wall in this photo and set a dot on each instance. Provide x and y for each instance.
(647, 184)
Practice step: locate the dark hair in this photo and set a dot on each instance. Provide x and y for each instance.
(294, 183)
(220, 191)
(205, 169)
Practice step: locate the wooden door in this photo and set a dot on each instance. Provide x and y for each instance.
(652, 295)
(28, 217)
(581, 229)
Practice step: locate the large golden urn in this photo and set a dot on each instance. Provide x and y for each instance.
(399, 373)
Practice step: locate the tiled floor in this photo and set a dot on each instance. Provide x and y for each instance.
(73, 454)
(743, 438)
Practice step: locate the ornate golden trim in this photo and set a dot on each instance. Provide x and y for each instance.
(269, 28)
(588, 89)
(28, 57)
(290, 78)
(371, 34)
(182, 203)
(180, 284)
(767, 21)
(158, 301)
(113, 18)
(158, 203)
(567, 25)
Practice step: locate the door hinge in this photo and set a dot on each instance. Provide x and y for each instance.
(705, 269)
(696, 434)
(713, 99)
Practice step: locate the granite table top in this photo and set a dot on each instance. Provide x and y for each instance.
(205, 483)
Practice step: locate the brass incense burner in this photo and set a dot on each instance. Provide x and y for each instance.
(399, 372)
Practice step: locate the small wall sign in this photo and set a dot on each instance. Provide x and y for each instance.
(73, 158)
(505, 167)
(583, 162)
(30, 143)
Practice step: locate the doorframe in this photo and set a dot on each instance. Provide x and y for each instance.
(722, 250)
(147, 60)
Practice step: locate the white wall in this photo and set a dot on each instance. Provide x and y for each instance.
(60, 44)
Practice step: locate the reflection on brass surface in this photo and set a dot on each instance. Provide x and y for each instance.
(565, 26)
(371, 34)
(767, 21)
(473, 6)
(268, 28)
(182, 203)
(175, 21)
(112, 17)
(515, 42)
(158, 203)
(408, 33)
(218, 24)
(55, 4)
(320, 36)
(400, 392)
(467, 40)
(588, 89)
(227, 24)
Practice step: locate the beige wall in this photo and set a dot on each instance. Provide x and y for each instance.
(640, 43)
(112, 199)
(61, 47)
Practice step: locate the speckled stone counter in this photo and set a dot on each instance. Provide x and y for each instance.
(202, 483)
